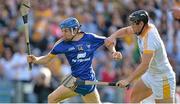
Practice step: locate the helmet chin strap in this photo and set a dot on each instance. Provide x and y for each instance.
(74, 34)
(138, 33)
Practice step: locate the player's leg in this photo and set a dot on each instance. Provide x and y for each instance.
(148, 100)
(140, 91)
(166, 90)
(92, 97)
(60, 94)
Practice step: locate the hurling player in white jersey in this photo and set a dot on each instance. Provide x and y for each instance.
(157, 77)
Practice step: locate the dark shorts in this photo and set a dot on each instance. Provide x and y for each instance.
(84, 89)
(80, 89)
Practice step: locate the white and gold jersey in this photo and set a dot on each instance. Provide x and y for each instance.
(151, 41)
(159, 75)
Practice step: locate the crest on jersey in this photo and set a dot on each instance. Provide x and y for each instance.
(80, 47)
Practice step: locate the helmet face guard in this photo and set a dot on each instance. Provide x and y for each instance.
(132, 20)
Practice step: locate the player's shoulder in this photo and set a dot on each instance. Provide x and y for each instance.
(92, 35)
(153, 35)
(60, 41)
(153, 32)
(89, 34)
(152, 28)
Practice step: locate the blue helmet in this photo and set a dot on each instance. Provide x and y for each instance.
(69, 23)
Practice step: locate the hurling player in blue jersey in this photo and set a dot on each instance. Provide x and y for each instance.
(79, 48)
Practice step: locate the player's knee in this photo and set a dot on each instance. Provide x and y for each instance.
(51, 98)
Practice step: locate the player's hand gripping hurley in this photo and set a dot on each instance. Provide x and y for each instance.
(24, 9)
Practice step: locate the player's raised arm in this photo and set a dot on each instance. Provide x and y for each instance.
(123, 32)
(119, 34)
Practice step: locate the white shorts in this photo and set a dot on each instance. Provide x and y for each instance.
(163, 86)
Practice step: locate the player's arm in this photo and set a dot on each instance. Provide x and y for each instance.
(40, 60)
(141, 69)
(111, 47)
(122, 32)
(116, 55)
(45, 59)
(119, 34)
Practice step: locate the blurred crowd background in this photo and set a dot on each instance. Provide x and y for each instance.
(102, 17)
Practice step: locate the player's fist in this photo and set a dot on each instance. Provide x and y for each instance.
(117, 55)
(31, 59)
(122, 83)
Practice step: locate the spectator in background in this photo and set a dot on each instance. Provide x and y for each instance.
(102, 25)
(42, 86)
(108, 74)
(2, 75)
(6, 87)
(88, 23)
(21, 68)
(176, 12)
(7, 63)
(176, 9)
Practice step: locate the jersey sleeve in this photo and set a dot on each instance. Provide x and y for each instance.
(58, 48)
(151, 43)
(96, 40)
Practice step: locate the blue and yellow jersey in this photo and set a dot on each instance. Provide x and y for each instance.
(80, 54)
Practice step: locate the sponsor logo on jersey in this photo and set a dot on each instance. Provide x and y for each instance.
(71, 48)
(81, 58)
(81, 55)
